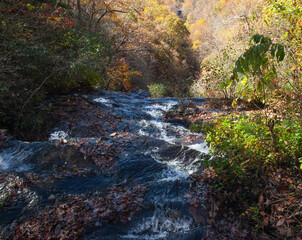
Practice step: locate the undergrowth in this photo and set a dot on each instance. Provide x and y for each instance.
(256, 172)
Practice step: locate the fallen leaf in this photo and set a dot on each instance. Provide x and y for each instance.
(261, 199)
(265, 221)
(280, 222)
(280, 208)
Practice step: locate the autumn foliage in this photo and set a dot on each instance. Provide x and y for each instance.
(59, 47)
(251, 52)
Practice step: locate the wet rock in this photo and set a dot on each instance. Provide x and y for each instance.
(61, 158)
(183, 110)
(173, 213)
(182, 122)
(170, 151)
(172, 114)
(191, 111)
(182, 115)
(4, 138)
(142, 93)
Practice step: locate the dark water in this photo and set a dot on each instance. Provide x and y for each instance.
(153, 158)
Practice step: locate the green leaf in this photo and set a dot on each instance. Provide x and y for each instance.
(280, 53)
(259, 86)
(257, 38)
(285, 35)
(222, 85)
(273, 49)
(266, 41)
(244, 81)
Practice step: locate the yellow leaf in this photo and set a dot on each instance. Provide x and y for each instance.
(234, 103)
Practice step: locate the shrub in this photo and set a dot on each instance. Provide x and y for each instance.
(157, 90)
(247, 143)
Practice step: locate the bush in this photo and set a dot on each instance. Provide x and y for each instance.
(157, 90)
(247, 143)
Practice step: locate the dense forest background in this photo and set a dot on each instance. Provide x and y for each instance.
(59, 47)
(248, 51)
(54, 47)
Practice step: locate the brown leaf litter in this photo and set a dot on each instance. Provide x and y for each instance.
(71, 216)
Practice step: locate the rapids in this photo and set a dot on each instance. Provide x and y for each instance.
(158, 157)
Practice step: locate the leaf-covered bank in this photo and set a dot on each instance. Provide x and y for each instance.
(254, 178)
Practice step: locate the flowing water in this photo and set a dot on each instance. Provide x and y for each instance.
(158, 157)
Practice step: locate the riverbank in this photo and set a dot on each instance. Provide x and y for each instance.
(261, 204)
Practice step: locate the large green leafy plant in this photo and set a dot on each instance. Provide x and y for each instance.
(255, 70)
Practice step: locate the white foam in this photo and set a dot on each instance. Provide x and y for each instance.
(159, 226)
(165, 131)
(200, 147)
(163, 107)
(177, 168)
(171, 175)
(58, 135)
(12, 159)
(105, 101)
(157, 110)
(4, 165)
(183, 168)
(154, 113)
(146, 237)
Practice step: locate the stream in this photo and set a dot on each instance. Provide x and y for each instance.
(157, 156)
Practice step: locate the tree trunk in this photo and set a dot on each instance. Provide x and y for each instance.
(79, 9)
